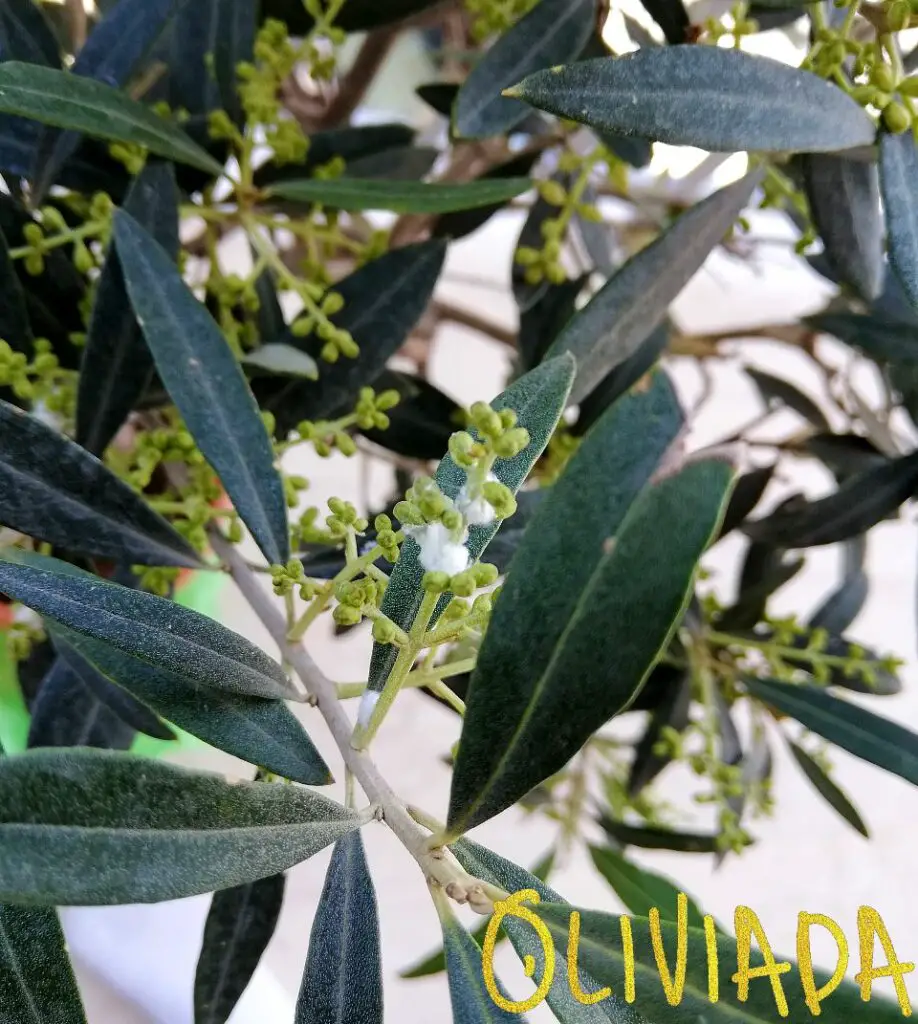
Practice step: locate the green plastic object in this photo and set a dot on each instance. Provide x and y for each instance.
(201, 593)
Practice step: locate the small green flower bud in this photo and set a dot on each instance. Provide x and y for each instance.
(896, 118)
(451, 519)
(407, 514)
(486, 419)
(235, 532)
(508, 419)
(384, 630)
(463, 584)
(500, 498)
(512, 443)
(435, 582)
(461, 448)
(332, 303)
(345, 615)
(382, 524)
(485, 573)
(909, 86)
(345, 444)
(898, 15)
(552, 192)
(883, 78)
(481, 607)
(526, 256)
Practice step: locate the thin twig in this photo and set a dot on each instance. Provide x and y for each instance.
(353, 86)
(458, 315)
(439, 865)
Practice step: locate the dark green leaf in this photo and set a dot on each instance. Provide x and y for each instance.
(208, 41)
(672, 18)
(398, 196)
(66, 713)
(521, 687)
(541, 322)
(464, 222)
(383, 300)
(706, 96)
(110, 55)
(854, 508)
(671, 713)
(116, 366)
(138, 716)
(157, 631)
(401, 163)
(622, 377)
(828, 790)
(538, 398)
(436, 962)
(270, 316)
(610, 328)
(844, 200)
(601, 954)
(747, 493)
(26, 35)
(421, 424)
(439, 96)
(65, 100)
(37, 985)
(262, 732)
(898, 173)
(206, 384)
(845, 455)
(93, 828)
(54, 490)
(878, 340)
(553, 32)
(282, 360)
(774, 390)
(641, 890)
(765, 570)
(843, 605)
(239, 927)
(860, 732)
(349, 144)
(651, 838)
(471, 1002)
(342, 979)
(489, 867)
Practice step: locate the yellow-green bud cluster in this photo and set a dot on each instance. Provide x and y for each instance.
(292, 575)
(293, 486)
(355, 598)
(325, 437)
(372, 408)
(386, 538)
(344, 518)
(463, 584)
(493, 17)
(159, 581)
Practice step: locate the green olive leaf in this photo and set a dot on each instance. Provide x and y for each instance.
(207, 385)
(898, 173)
(828, 789)
(98, 827)
(705, 96)
(553, 32)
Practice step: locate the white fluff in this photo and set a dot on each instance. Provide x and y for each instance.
(368, 702)
(476, 510)
(439, 551)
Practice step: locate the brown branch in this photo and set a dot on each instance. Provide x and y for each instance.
(353, 86)
(457, 315)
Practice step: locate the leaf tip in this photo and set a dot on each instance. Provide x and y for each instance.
(514, 92)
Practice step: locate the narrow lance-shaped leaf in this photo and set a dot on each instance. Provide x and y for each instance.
(400, 196)
(747, 493)
(96, 828)
(843, 605)
(898, 173)
(15, 328)
(26, 35)
(159, 632)
(641, 891)
(624, 312)
(553, 32)
(37, 985)
(600, 952)
(239, 927)
(653, 838)
(706, 96)
(527, 661)
(342, 979)
(828, 789)
(66, 713)
(262, 732)
(672, 18)
(131, 711)
(111, 53)
(859, 504)
(55, 491)
(471, 1002)
(207, 385)
(881, 341)
(775, 390)
(860, 732)
(671, 713)
(65, 100)
(844, 199)
(117, 366)
(436, 962)
(483, 863)
(538, 398)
